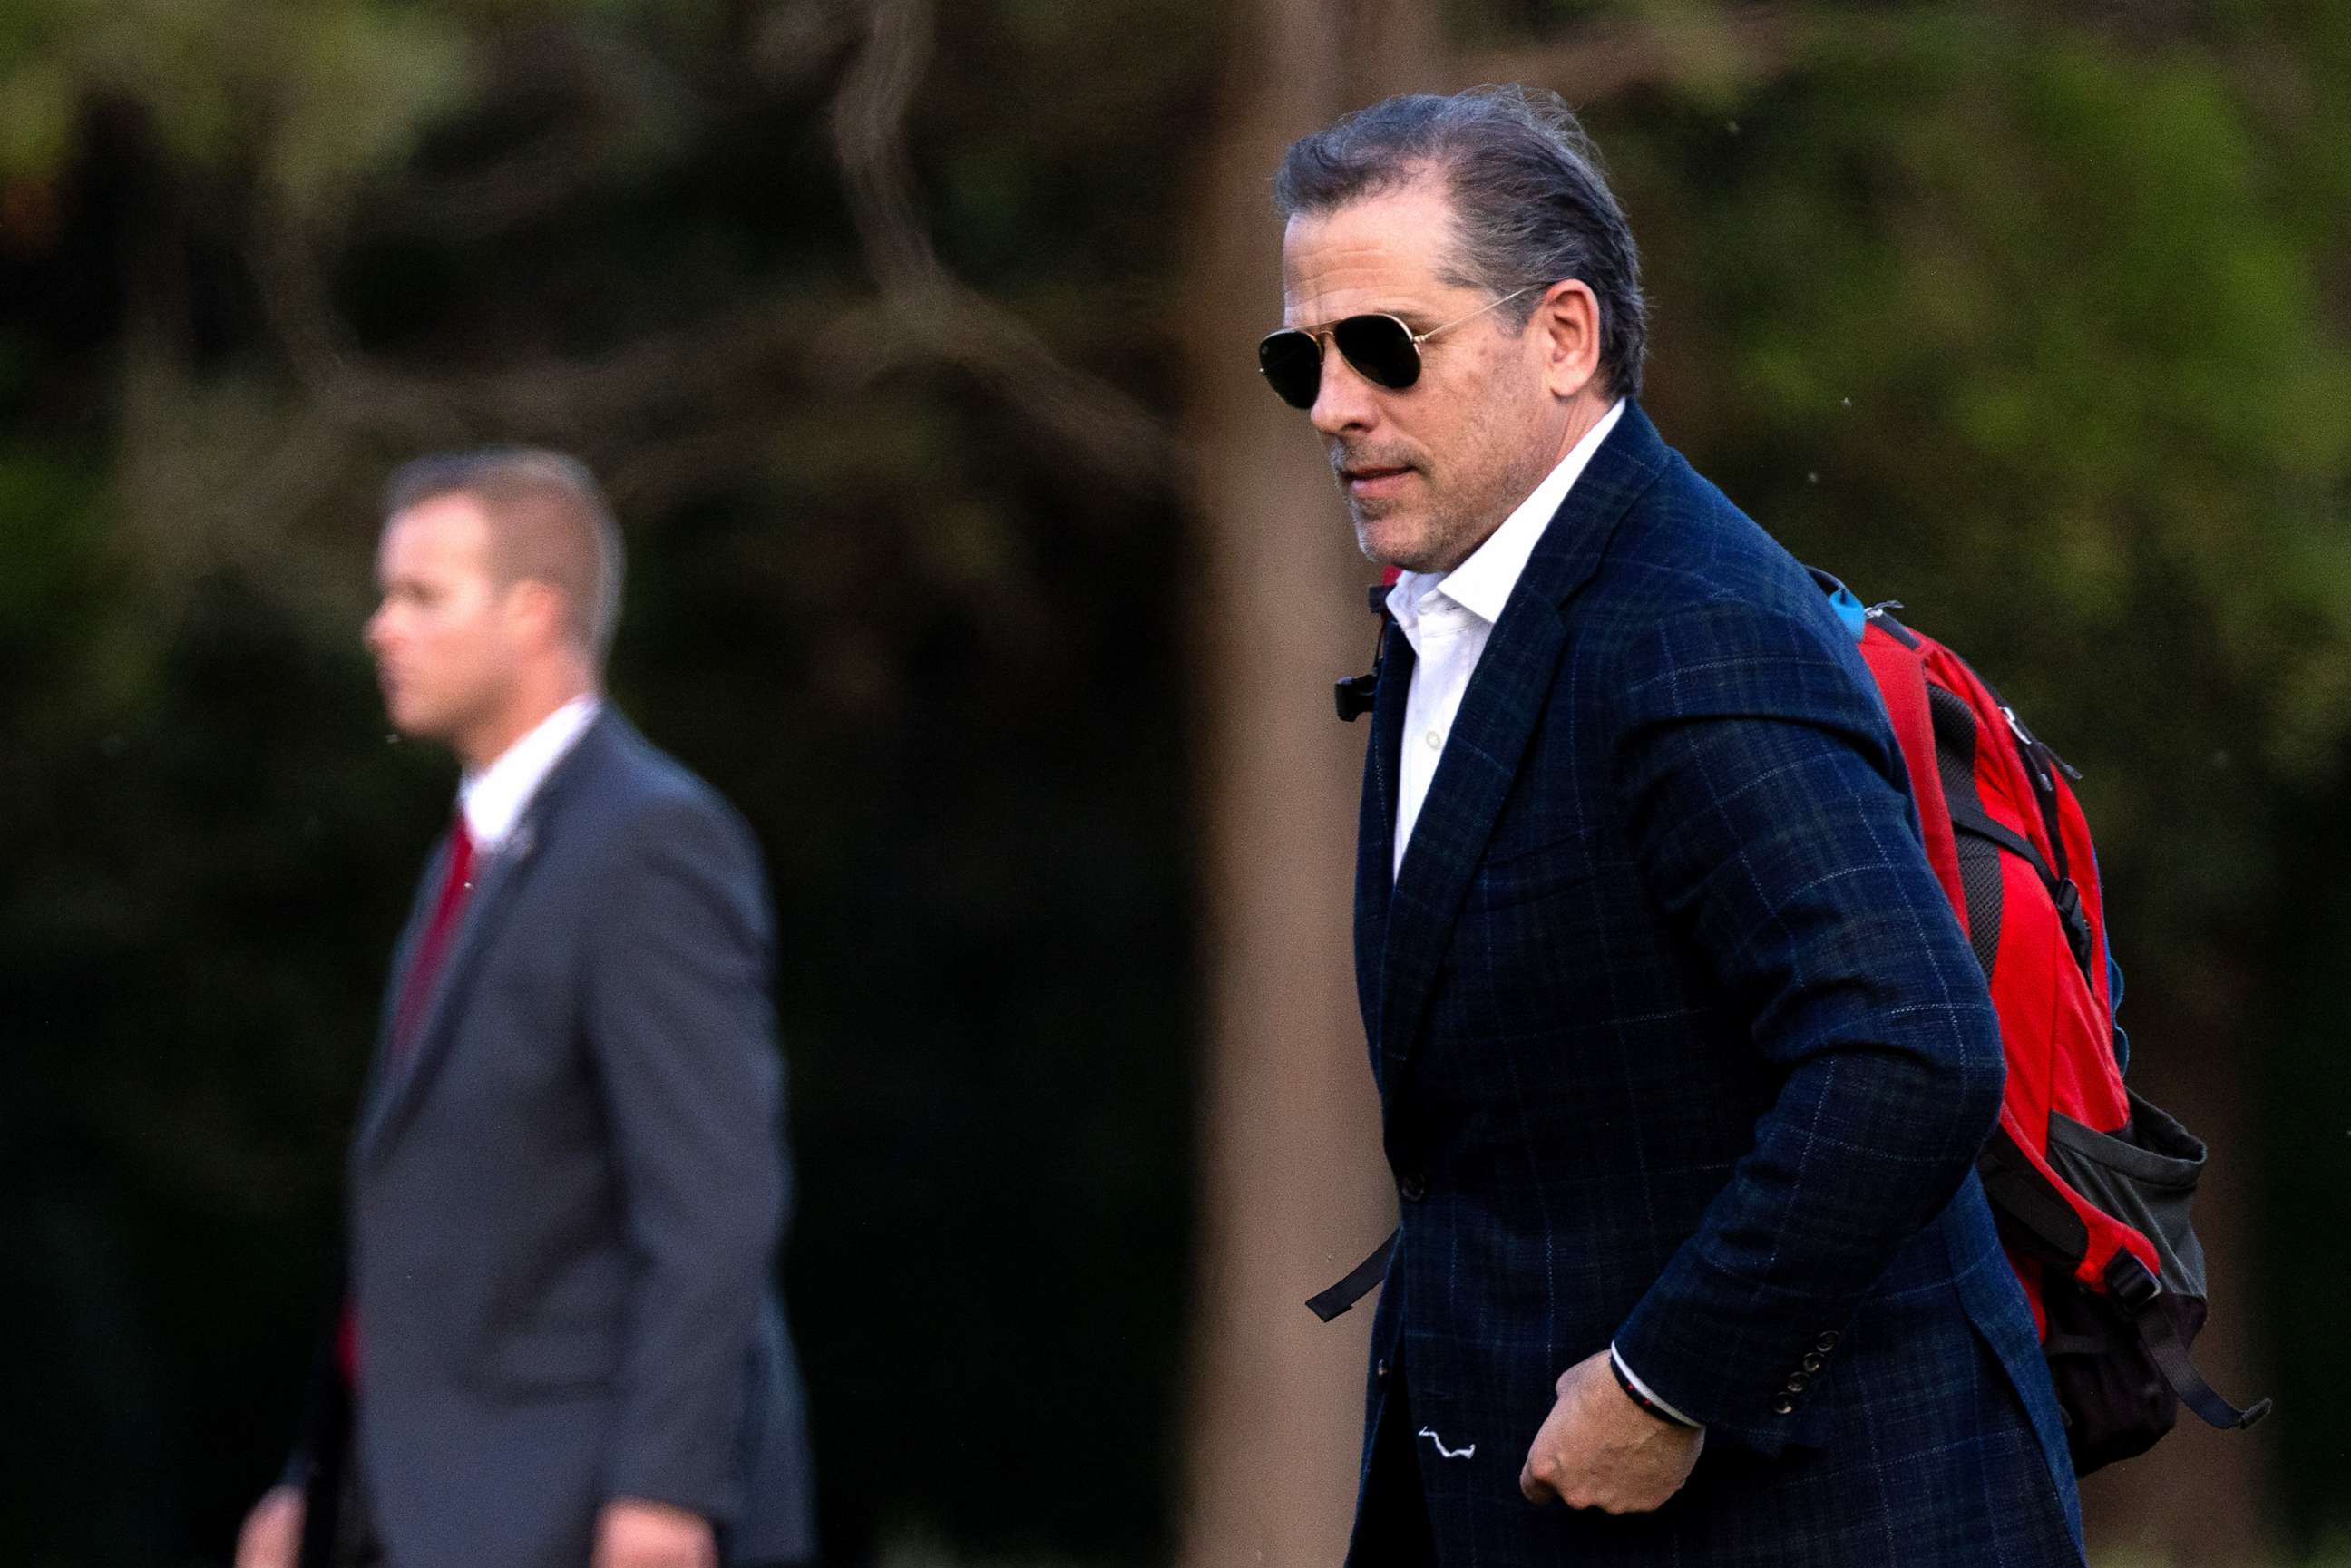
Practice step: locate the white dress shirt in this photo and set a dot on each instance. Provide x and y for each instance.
(1448, 621)
(493, 800)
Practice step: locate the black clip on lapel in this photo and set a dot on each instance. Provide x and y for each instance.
(1357, 694)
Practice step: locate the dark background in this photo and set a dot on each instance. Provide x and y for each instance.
(878, 319)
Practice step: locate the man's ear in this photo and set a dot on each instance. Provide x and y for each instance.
(1567, 326)
(537, 612)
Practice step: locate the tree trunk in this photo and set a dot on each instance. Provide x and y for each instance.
(1294, 1189)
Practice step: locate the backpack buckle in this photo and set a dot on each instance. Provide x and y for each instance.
(2130, 1284)
(2067, 897)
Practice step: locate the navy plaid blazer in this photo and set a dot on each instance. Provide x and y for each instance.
(1680, 1046)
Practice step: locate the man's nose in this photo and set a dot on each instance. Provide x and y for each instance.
(1343, 399)
(378, 630)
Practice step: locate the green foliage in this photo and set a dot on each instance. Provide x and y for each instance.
(2021, 324)
(326, 93)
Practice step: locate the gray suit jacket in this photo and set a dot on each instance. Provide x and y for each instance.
(566, 1192)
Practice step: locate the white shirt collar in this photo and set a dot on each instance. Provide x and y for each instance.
(493, 800)
(1482, 584)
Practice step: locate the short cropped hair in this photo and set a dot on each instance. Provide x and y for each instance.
(1531, 199)
(549, 523)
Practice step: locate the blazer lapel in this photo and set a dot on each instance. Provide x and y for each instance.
(406, 1071)
(402, 1077)
(1498, 714)
(403, 952)
(1376, 838)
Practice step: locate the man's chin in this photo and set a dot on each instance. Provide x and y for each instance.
(408, 723)
(1393, 541)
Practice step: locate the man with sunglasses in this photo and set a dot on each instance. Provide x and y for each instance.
(1683, 1061)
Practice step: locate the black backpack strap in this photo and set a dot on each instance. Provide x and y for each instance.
(1968, 817)
(1878, 616)
(1359, 1283)
(2039, 766)
(2042, 766)
(2141, 1297)
(2032, 1213)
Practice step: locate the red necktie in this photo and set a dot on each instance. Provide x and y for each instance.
(416, 987)
(415, 990)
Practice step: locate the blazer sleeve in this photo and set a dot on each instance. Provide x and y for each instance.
(1771, 818)
(682, 1032)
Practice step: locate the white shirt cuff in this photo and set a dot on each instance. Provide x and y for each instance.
(1648, 1393)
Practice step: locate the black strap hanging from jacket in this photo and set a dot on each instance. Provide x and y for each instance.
(1359, 1283)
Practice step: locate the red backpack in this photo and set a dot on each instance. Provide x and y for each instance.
(2090, 1183)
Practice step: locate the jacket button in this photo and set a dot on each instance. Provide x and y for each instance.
(1380, 1369)
(1796, 1384)
(1783, 1406)
(1826, 1343)
(1413, 1188)
(1811, 1363)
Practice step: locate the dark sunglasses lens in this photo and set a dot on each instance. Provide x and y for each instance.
(1381, 347)
(1293, 363)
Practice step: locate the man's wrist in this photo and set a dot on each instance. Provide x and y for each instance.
(1639, 1394)
(654, 1508)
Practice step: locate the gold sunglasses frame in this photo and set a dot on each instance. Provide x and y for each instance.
(1331, 330)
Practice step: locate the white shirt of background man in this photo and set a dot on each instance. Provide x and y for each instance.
(1448, 621)
(494, 798)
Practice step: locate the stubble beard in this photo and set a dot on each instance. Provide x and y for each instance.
(1444, 537)
(1400, 543)
(1489, 473)
(1440, 528)
(1421, 549)
(1457, 523)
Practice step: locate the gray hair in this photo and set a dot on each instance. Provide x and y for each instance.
(549, 523)
(1531, 199)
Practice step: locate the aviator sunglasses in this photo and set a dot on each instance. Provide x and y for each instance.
(1383, 350)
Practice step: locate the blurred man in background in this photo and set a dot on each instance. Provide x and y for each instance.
(1683, 1061)
(561, 1343)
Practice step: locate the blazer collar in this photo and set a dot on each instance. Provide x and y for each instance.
(1499, 713)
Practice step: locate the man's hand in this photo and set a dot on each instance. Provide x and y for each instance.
(631, 1533)
(1599, 1450)
(272, 1536)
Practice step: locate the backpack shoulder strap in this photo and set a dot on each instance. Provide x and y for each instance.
(1896, 662)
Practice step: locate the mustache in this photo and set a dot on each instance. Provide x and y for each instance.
(1345, 459)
